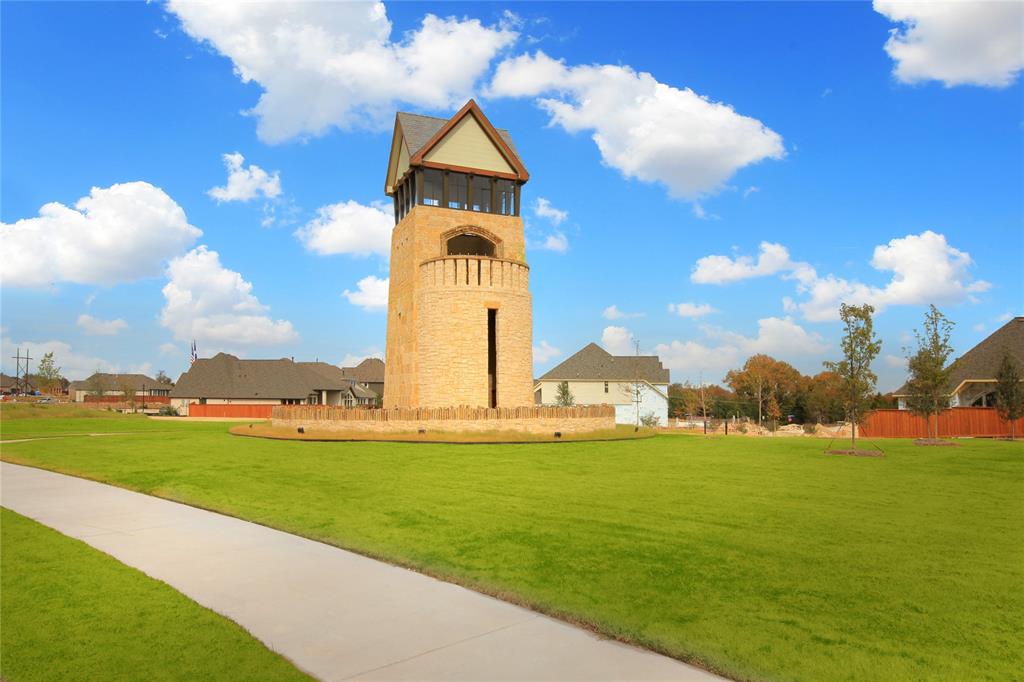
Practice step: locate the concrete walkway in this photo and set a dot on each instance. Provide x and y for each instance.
(335, 614)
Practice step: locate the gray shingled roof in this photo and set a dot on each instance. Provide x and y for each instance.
(594, 363)
(418, 129)
(369, 371)
(982, 361)
(225, 376)
(114, 382)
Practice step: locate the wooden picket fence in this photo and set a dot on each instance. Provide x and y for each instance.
(339, 413)
(956, 422)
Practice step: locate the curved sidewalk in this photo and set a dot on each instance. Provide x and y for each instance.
(335, 614)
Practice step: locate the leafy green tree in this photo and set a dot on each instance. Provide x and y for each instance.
(49, 373)
(860, 348)
(564, 397)
(824, 398)
(929, 372)
(763, 377)
(1009, 393)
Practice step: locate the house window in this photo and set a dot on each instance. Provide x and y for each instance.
(606, 387)
(458, 190)
(432, 186)
(506, 197)
(481, 194)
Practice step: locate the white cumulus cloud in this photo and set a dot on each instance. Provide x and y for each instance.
(618, 341)
(74, 365)
(215, 306)
(371, 293)
(245, 183)
(925, 269)
(957, 42)
(772, 258)
(612, 312)
(334, 64)
(544, 351)
(690, 309)
(348, 227)
(646, 129)
(353, 359)
(544, 209)
(120, 233)
(94, 326)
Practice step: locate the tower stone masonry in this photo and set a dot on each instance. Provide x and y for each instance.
(460, 319)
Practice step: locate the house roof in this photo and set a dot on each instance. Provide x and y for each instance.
(225, 376)
(114, 382)
(593, 363)
(7, 381)
(416, 136)
(982, 361)
(369, 371)
(418, 130)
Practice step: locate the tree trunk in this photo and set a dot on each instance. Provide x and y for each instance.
(853, 432)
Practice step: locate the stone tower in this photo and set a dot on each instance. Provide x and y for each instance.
(460, 319)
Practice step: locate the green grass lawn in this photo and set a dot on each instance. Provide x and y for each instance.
(759, 558)
(30, 420)
(70, 612)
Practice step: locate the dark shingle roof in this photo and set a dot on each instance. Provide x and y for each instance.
(594, 363)
(114, 382)
(418, 129)
(225, 376)
(369, 371)
(982, 361)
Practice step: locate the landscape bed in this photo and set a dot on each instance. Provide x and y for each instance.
(71, 612)
(756, 558)
(266, 430)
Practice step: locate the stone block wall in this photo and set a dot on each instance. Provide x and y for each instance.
(437, 313)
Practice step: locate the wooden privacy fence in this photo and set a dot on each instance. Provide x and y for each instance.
(337, 413)
(954, 422)
(236, 410)
(149, 399)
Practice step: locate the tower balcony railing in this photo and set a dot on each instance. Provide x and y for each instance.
(479, 272)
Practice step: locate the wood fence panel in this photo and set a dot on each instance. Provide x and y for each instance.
(956, 422)
(234, 410)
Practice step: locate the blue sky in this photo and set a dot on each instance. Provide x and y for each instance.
(722, 174)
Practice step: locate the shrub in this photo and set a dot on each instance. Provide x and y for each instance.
(650, 420)
(810, 428)
(168, 411)
(742, 428)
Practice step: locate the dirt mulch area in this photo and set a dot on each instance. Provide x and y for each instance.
(857, 453)
(936, 442)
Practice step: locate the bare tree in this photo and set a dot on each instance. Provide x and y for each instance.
(128, 389)
(636, 388)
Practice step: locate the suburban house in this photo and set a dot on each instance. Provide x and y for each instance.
(227, 380)
(369, 374)
(596, 377)
(8, 384)
(106, 387)
(972, 381)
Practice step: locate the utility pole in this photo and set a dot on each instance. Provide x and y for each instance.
(21, 385)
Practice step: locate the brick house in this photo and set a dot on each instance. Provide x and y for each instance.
(227, 380)
(107, 387)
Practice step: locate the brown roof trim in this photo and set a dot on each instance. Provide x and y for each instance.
(467, 169)
(472, 109)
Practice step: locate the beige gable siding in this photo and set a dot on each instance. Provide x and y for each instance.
(468, 145)
(399, 164)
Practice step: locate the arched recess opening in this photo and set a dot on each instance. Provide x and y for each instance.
(471, 241)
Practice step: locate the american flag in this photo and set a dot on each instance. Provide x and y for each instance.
(195, 355)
